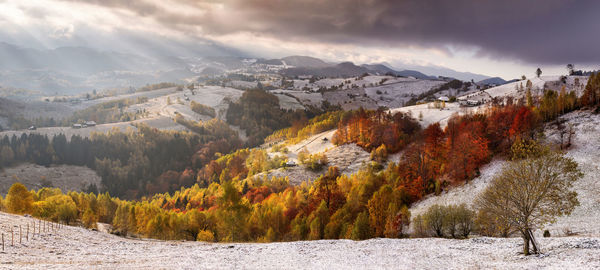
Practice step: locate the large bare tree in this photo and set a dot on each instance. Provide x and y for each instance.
(531, 192)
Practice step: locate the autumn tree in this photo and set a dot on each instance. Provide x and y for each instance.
(469, 151)
(327, 190)
(531, 192)
(19, 200)
(591, 93)
(232, 212)
(538, 72)
(396, 221)
(361, 230)
(378, 209)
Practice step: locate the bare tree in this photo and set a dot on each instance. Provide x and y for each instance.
(532, 192)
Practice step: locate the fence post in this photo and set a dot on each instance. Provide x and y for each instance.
(2, 241)
(27, 231)
(12, 237)
(39, 226)
(20, 235)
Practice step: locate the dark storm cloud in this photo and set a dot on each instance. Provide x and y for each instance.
(543, 31)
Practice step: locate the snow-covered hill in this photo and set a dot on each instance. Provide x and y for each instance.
(585, 151)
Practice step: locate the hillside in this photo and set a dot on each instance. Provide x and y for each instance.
(158, 110)
(492, 81)
(66, 177)
(584, 219)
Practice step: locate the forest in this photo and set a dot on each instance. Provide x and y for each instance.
(131, 164)
(258, 113)
(227, 202)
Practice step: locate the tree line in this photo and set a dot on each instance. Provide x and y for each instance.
(130, 163)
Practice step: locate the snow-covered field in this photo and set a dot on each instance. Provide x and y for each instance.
(66, 177)
(349, 158)
(74, 247)
(160, 122)
(427, 114)
(289, 103)
(576, 83)
(585, 219)
(395, 92)
(161, 108)
(212, 96)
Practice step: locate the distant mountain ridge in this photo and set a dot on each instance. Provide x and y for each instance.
(77, 60)
(305, 65)
(304, 61)
(492, 81)
(346, 69)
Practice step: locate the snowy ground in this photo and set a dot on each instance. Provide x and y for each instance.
(395, 92)
(427, 114)
(289, 103)
(212, 96)
(349, 158)
(73, 247)
(66, 177)
(548, 82)
(462, 194)
(585, 219)
(585, 151)
(160, 112)
(160, 122)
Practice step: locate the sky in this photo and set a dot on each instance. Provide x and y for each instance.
(506, 38)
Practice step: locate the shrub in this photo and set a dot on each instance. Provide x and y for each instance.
(465, 220)
(205, 236)
(89, 219)
(419, 228)
(435, 220)
(546, 233)
(380, 154)
(313, 162)
(452, 220)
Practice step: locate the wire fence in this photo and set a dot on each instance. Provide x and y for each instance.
(19, 233)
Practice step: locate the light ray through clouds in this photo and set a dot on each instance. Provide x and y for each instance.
(507, 38)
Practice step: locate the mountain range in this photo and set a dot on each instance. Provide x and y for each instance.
(76, 69)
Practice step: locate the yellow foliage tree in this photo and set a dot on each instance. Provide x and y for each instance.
(19, 200)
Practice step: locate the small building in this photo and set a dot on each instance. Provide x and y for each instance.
(444, 98)
(291, 164)
(471, 102)
(32, 128)
(77, 126)
(90, 123)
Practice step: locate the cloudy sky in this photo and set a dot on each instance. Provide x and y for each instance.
(507, 38)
